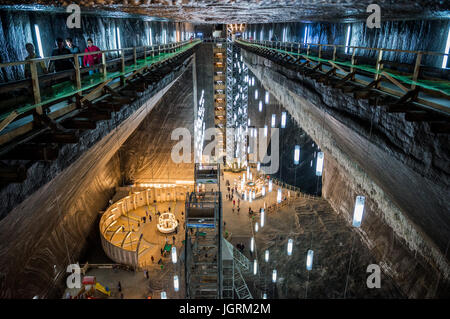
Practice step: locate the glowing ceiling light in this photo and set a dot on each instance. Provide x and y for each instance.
(297, 154)
(290, 246)
(267, 97)
(274, 118)
(283, 119)
(119, 44)
(266, 256)
(252, 244)
(359, 210)
(274, 276)
(319, 164)
(255, 267)
(256, 94)
(309, 259)
(176, 284)
(260, 106)
(305, 38)
(256, 227)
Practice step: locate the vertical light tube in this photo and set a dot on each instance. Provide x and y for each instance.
(279, 196)
(305, 37)
(319, 164)
(38, 37)
(263, 191)
(151, 36)
(347, 39)
(258, 166)
(255, 267)
(266, 98)
(263, 217)
(270, 185)
(256, 94)
(163, 295)
(274, 118)
(176, 284)
(256, 227)
(290, 246)
(266, 256)
(174, 254)
(252, 244)
(119, 44)
(283, 119)
(358, 211)
(447, 50)
(260, 106)
(274, 276)
(265, 130)
(297, 154)
(309, 259)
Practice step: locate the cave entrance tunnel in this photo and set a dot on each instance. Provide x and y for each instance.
(329, 144)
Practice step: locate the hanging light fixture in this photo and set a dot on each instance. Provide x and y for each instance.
(290, 246)
(309, 259)
(279, 196)
(267, 97)
(263, 191)
(176, 284)
(258, 166)
(260, 106)
(274, 276)
(174, 254)
(255, 267)
(270, 185)
(266, 256)
(256, 227)
(283, 119)
(256, 94)
(297, 154)
(163, 295)
(264, 296)
(265, 130)
(262, 217)
(274, 117)
(319, 164)
(252, 244)
(359, 210)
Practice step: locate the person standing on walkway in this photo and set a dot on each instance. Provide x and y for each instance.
(91, 59)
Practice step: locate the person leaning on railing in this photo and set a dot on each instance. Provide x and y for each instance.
(61, 64)
(91, 59)
(40, 66)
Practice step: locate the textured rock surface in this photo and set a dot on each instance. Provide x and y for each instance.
(48, 229)
(398, 166)
(247, 11)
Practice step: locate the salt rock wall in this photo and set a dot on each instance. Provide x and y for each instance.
(398, 165)
(48, 230)
(146, 155)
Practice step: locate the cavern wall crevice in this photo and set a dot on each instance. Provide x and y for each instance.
(401, 186)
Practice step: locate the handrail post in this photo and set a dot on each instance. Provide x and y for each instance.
(104, 66)
(77, 73)
(134, 56)
(352, 69)
(334, 52)
(378, 66)
(36, 89)
(416, 70)
(307, 50)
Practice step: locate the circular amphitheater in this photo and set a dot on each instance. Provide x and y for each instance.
(137, 226)
(251, 187)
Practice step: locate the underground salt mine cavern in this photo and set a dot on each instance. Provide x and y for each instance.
(224, 149)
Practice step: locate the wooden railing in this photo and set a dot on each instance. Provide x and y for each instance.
(141, 57)
(435, 84)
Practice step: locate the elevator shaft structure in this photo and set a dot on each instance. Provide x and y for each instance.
(203, 245)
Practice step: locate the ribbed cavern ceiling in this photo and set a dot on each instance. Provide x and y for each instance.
(259, 11)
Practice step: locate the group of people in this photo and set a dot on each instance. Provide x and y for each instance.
(63, 47)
